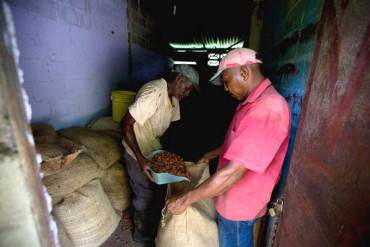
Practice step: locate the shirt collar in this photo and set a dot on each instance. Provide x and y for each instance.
(257, 91)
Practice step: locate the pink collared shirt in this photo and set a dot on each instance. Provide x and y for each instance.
(257, 138)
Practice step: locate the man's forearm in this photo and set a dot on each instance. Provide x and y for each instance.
(130, 138)
(220, 182)
(131, 141)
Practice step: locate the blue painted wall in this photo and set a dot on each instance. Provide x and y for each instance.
(286, 45)
(146, 64)
(73, 53)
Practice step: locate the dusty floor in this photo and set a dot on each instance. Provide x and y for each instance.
(122, 235)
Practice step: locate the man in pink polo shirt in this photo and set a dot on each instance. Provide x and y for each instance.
(252, 154)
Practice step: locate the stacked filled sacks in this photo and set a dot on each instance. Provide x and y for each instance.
(115, 179)
(104, 123)
(41, 130)
(105, 149)
(96, 159)
(115, 184)
(104, 146)
(87, 215)
(80, 172)
(63, 237)
(56, 152)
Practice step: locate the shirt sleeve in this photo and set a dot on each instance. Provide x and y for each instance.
(257, 140)
(145, 105)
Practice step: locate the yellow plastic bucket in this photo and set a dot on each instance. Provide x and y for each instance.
(121, 100)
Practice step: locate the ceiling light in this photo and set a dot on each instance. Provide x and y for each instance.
(213, 63)
(199, 50)
(186, 45)
(213, 56)
(210, 43)
(185, 62)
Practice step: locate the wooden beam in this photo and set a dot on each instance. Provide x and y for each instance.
(15, 142)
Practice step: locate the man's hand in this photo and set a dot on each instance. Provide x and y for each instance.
(145, 167)
(178, 204)
(220, 182)
(207, 157)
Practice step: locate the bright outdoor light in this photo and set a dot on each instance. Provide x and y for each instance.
(213, 63)
(213, 56)
(210, 43)
(187, 45)
(185, 62)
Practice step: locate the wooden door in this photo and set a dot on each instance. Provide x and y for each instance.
(327, 197)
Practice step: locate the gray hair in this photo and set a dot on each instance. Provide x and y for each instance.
(189, 72)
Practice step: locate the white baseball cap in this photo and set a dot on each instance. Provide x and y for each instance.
(235, 58)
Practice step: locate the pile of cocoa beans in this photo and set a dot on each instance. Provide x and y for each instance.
(170, 163)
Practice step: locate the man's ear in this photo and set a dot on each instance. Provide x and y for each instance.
(178, 78)
(244, 72)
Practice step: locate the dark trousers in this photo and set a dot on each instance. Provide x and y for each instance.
(148, 197)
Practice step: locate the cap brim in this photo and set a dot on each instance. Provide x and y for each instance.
(217, 82)
(213, 78)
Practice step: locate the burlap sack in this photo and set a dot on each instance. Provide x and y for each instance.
(42, 129)
(197, 225)
(198, 173)
(81, 171)
(64, 239)
(102, 147)
(104, 123)
(57, 153)
(87, 215)
(115, 184)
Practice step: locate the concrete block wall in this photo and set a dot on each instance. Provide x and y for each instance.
(141, 27)
(148, 62)
(73, 53)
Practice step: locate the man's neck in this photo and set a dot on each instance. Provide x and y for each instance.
(255, 83)
(169, 92)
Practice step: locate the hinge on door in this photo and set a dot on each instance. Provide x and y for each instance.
(274, 211)
(276, 208)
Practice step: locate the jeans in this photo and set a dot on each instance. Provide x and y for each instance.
(235, 233)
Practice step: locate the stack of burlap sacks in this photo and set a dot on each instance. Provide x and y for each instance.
(86, 181)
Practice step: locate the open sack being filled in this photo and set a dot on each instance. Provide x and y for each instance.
(197, 225)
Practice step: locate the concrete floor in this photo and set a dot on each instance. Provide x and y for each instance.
(121, 237)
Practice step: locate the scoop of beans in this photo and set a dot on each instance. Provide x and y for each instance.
(170, 163)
